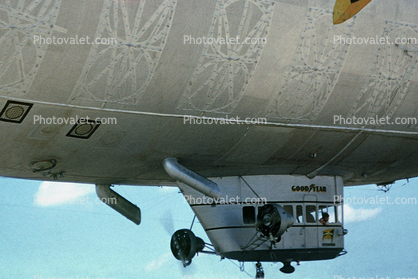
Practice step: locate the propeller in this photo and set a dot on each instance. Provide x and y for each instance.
(167, 222)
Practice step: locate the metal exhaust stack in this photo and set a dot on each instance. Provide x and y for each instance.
(119, 203)
(192, 179)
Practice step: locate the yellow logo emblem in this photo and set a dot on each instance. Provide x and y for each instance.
(346, 9)
(328, 234)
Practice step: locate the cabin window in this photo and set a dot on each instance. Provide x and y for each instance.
(289, 209)
(299, 214)
(331, 210)
(310, 214)
(248, 214)
(339, 213)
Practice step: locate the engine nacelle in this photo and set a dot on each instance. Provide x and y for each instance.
(184, 246)
(273, 221)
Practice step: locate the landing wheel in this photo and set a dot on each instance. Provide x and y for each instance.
(260, 271)
(287, 268)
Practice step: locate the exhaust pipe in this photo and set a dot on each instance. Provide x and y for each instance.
(192, 179)
(119, 203)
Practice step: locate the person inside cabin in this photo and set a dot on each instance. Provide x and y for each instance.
(324, 219)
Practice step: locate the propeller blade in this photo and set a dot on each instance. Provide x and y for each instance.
(168, 222)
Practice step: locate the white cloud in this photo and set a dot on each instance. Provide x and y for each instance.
(59, 193)
(359, 214)
(160, 262)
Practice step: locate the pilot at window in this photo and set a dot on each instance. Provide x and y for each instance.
(324, 219)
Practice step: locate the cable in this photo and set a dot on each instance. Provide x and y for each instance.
(242, 270)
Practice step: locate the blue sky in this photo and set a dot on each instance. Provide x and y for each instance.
(41, 239)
